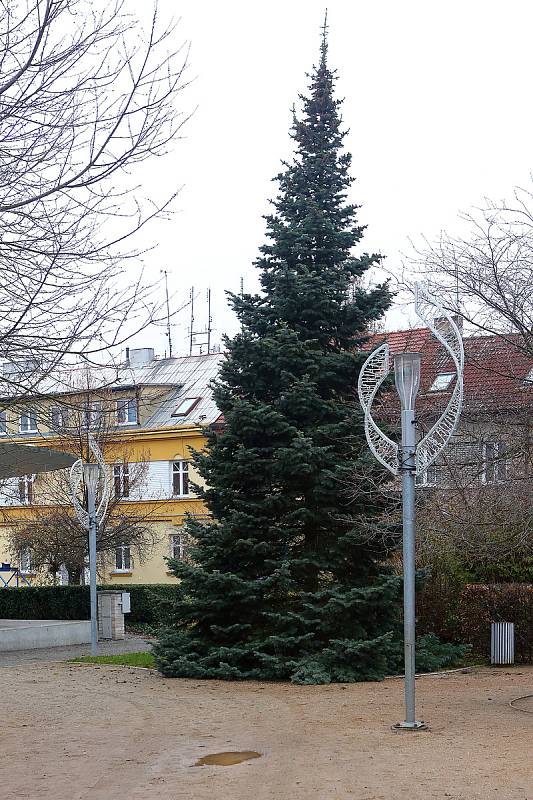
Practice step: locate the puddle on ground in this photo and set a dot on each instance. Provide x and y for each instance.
(228, 758)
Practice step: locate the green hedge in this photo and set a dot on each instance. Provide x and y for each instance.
(459, 611)
(149, 602)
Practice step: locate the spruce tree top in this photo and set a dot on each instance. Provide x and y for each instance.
(307, 267)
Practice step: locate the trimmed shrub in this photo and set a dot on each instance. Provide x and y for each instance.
(149, 602)
(439, 602)
(45, 602)
(505, 602)
(438, 605)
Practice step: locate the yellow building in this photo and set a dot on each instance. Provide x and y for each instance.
(147, 415)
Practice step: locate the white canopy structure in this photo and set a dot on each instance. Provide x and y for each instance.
(23, 459)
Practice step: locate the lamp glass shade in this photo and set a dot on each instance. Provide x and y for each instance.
(91, 476)
(407, 378)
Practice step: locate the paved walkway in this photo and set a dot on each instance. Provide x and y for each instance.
(131, 644)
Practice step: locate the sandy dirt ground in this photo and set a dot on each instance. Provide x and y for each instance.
(70, 732)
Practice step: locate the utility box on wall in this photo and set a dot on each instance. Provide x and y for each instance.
(111, 614)
(126, 602)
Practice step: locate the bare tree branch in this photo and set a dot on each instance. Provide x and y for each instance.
(87, 96)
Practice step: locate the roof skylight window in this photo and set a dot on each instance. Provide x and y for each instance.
(185, 406)
(442, 382)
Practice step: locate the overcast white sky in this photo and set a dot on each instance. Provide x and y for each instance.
(438, 102)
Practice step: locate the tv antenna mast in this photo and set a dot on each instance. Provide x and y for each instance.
(205, 333)
(165, 273)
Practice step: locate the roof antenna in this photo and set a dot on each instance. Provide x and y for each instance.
(209, 321)
(194, 341)
(168, 314)
(191, 335)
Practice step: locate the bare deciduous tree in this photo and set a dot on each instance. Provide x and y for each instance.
(488, 271)
(478, 506)
(86, 96)
(481, 525)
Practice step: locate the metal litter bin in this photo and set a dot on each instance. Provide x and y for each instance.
(502, 643)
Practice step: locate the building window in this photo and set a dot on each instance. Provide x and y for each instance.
(58, 418)
(26, 489)
(26, 561)
(185, 406)
(494, 468)
(127, 411)
(63, 575)
(428, 477)
(442, 382)
(121, 480)
(3, 423)
(180, 478)
(177, 546)
(123, 558)
(92, 413)
(28, 422)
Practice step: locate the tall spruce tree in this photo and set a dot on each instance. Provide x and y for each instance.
(285, 582)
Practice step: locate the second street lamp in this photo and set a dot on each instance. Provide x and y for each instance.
(94, 475)
(411, 458)
(91, 476)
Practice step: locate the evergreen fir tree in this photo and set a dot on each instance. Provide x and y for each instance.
(285, 582)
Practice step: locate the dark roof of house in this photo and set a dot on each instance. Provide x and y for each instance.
(495, 374)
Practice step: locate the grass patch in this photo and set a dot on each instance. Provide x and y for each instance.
(125, 659)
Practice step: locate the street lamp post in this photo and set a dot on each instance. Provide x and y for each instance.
(407, 379)
(411, 458)
(95, 476)
(91, 475)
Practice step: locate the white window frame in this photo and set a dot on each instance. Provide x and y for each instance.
(62, 418)
(180, 474)
(185, 406)
(26, 566)
(127, 411)
(31, 425)
(92, 413)
(177, 542)
(121, 475)
(435, 385)
(428, 477)
(26, 489)
(3, 423)
(497, 463)
(123, 549)
(63, 575)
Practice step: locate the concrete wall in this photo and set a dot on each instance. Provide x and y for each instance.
(18, 634)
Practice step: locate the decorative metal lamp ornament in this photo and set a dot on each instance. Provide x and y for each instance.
(94, 475)
(95, 478)
(409, 458)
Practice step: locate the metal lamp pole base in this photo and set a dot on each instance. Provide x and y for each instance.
(410, 726)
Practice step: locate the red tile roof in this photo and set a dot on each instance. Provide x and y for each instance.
(494, 376)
